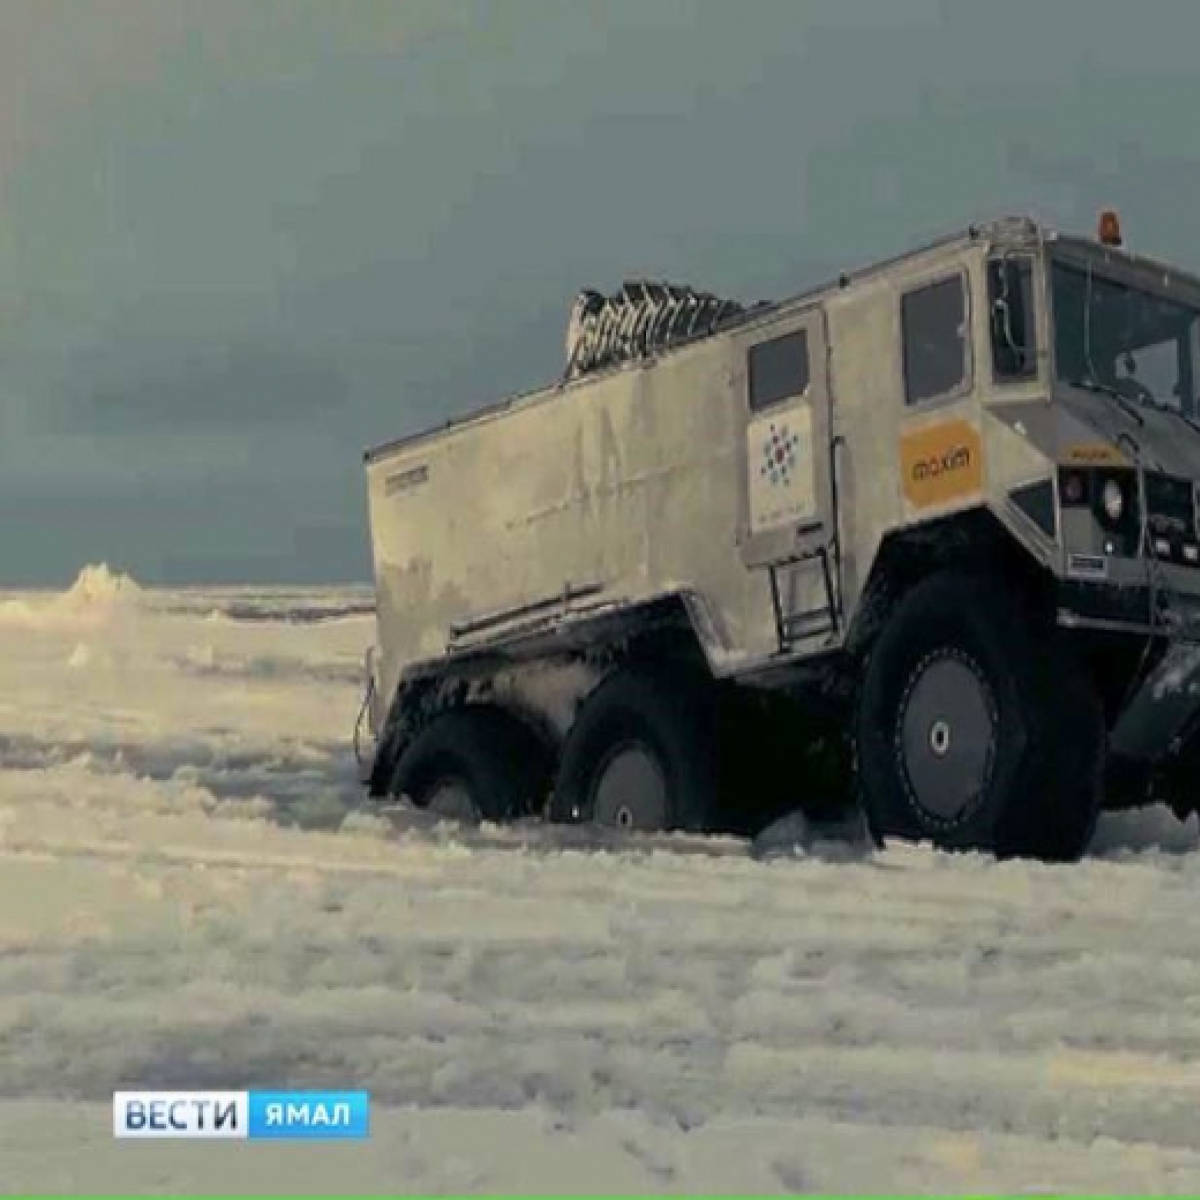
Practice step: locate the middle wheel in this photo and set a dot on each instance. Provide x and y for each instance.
(642, 754)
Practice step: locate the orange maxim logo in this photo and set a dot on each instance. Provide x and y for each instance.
(1095, 453)
(941, 463)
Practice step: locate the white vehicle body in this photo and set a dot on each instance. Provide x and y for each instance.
(767, 485)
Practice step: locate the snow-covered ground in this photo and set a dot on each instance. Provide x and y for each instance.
(192, 894)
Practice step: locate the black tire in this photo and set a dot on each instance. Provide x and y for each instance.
(495, 762)
(665, 721)
(975, 729)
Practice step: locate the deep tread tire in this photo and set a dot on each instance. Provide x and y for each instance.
(671, 716)
(1044, 789)
(492, 755)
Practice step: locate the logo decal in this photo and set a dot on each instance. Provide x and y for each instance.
(941, 463)
(1097, 452)
(779, 454)
(779, 474)
(404, 481)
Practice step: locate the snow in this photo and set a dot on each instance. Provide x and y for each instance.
(194, 893)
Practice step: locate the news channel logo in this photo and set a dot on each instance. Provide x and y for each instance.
(246, 1116)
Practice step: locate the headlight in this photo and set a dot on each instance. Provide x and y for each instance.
(1113, 500)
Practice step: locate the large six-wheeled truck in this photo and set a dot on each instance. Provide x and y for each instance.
(923, 540)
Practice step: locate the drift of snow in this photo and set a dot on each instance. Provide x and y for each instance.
(193, 894)
(98, 597)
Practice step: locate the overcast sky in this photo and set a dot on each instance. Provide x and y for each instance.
(241, 240)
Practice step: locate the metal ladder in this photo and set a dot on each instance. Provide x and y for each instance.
(824, 621)
(793, 629)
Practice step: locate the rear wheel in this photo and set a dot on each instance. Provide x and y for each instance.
(473, 764)
(975, 729)
(642, 755)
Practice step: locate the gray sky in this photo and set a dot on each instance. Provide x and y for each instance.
(240, 240)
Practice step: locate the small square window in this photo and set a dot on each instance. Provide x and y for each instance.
(778, 370)
(934, 322)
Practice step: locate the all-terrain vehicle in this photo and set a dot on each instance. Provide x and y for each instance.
(923, 539)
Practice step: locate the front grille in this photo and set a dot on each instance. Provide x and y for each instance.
(1171, 531)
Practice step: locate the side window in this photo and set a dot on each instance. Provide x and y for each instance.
(778, 370)
(1158, 367)
(934, 326)
(1010, 295)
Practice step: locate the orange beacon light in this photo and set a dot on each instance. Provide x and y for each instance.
(1110, 228)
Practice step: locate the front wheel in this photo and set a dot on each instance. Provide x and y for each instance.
(975, 729)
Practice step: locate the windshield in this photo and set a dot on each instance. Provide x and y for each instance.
(1115, 337)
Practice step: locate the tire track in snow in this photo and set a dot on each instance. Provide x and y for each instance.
(703, 1028)
(153, 931)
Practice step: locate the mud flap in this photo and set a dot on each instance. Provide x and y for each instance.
(1165, 709)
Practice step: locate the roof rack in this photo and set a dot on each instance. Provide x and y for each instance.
(642, 317)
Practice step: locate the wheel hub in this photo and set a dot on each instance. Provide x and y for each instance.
(630, 791)
(451, 800)
(946, 736)
(939, 738)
